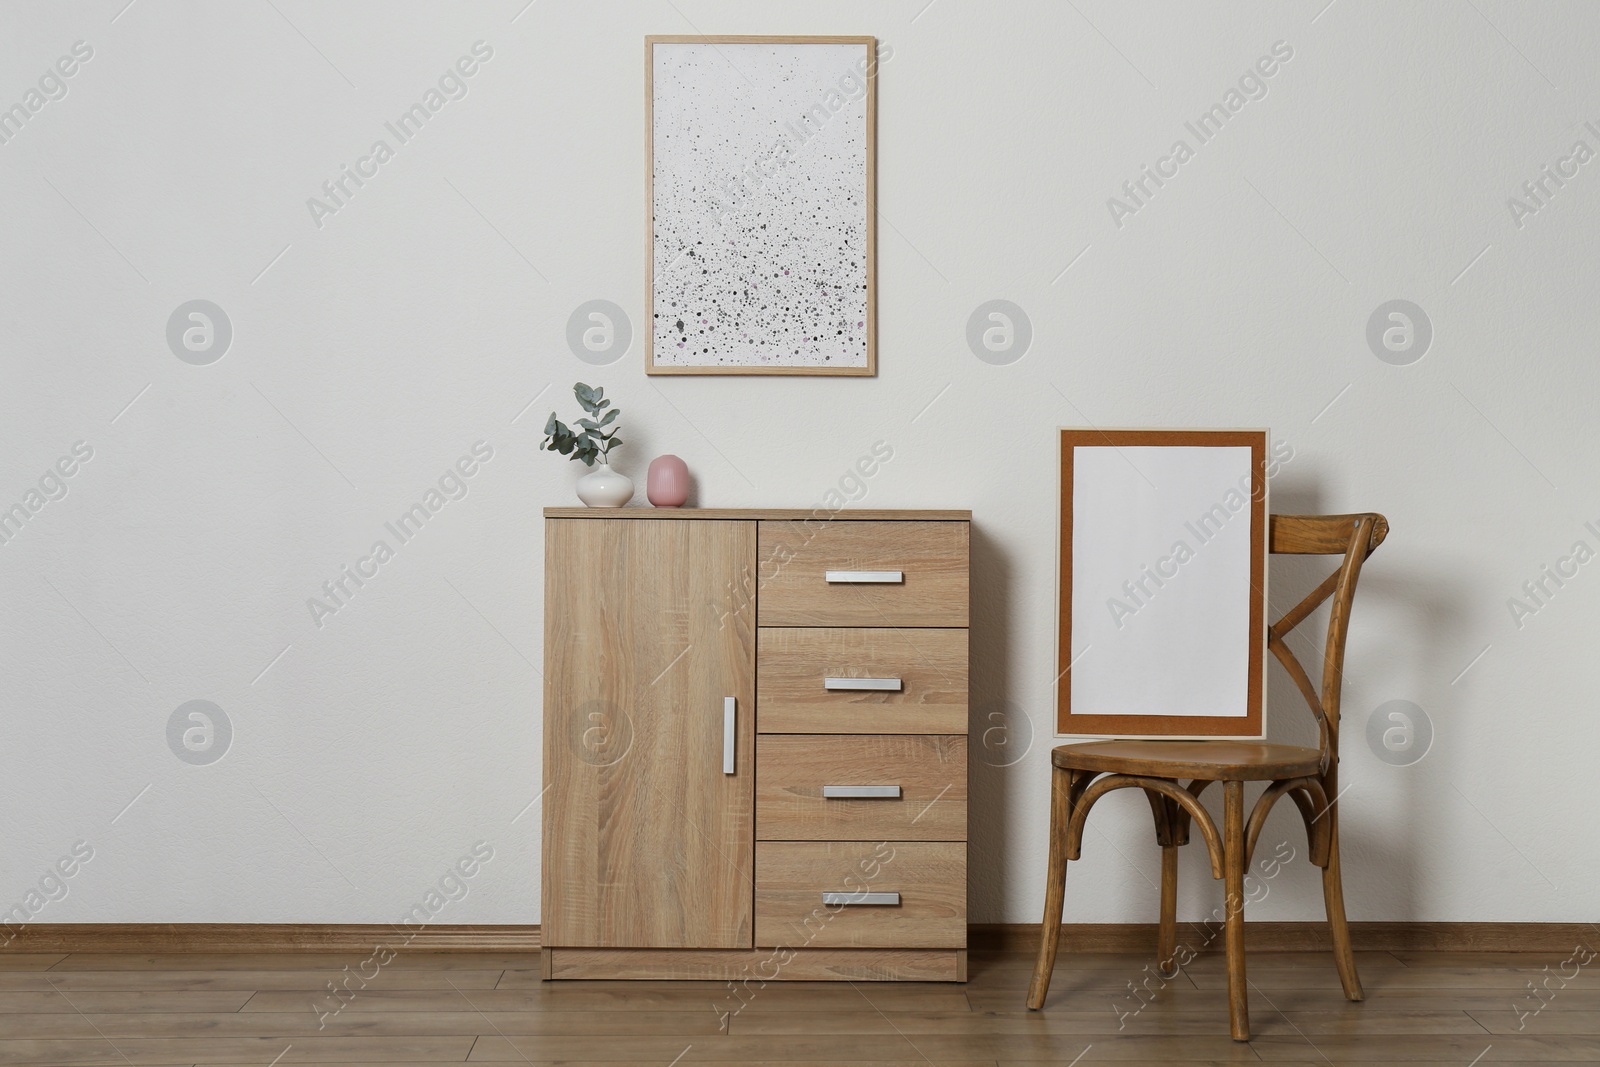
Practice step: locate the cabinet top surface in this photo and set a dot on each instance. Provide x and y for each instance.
(845, 515)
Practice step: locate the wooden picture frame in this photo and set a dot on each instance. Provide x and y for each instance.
(816, 324)
(1181, 636)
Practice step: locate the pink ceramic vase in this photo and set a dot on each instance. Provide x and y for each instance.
(667, 484)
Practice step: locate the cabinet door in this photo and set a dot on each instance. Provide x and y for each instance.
(649, 627)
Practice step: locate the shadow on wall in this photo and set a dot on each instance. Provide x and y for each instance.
(1000, 731)
(1381, 851)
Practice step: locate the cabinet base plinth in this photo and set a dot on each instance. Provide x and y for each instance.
(757, 965)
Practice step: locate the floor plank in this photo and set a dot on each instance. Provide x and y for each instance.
(136, 1001)
(306, 1023)
(871, 1048)
(29, 961)
(402, 959)
(196, 981)
(1526, 1019)
(1148, 1022)
(188, 1050)
(1414, 1048)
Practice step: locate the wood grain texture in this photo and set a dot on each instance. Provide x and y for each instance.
(1321, 535)
(931, 555)
(131, 946)
(1338, 924)
(814, 515)
(1248, 761)
(314, 972)
(1427, 940)
(785, 963)
(791, 664)
(930, 771)
(1167, 927)
(270, 937)
(1233, 902)
(1062, 795)
(404, 959)
(646, 841)
(930, 876)
(1426, 1007)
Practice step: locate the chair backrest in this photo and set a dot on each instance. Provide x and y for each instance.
(1354, 537)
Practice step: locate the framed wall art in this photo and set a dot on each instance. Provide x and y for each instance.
(761, 159)
(1162, 583)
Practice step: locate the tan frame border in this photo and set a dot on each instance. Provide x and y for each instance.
(1251, 725)
(871, 44)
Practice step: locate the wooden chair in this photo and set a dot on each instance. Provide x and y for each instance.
(1308, 775)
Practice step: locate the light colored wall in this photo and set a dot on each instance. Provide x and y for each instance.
(369, 353)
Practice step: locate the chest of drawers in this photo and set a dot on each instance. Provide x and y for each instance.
(755, 745)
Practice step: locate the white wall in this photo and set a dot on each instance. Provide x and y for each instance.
(371, 752)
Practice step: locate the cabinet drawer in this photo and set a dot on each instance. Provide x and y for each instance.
(825, 680)
(844, 573)
(927, 879)
(894, 788)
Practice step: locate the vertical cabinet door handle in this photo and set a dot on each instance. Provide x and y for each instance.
(730, 712)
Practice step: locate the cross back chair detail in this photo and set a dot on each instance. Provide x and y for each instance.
(1082, 773)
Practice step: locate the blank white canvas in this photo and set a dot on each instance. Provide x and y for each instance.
(759, 217)
(1176, 645)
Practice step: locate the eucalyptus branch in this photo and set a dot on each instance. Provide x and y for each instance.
(591, 440)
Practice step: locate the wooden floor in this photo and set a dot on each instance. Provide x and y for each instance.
(428, 1007)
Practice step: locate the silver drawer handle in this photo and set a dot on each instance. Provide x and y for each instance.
(864, 576)
(861, 898)
(889, 684)
(841, 792)
(730, 712)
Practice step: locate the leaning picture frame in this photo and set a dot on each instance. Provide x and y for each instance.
(1162, 583)
(760, 202)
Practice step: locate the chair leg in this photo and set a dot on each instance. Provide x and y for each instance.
(1167, 937)
(1233, 885)
(1055, 886)
(1344, 956)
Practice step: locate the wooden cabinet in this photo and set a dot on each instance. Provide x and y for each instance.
(755, 744)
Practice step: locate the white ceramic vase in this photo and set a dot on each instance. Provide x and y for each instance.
(605, 488)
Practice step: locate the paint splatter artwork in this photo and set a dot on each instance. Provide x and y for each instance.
(760, 229)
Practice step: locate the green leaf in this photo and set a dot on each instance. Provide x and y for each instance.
(610, 416)
(550, 427)
(583, 393)
(588, 424)
(602, 404)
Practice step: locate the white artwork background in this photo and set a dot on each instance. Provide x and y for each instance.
(759, 215)
(1175, 645)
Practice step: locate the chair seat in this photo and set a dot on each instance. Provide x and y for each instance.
(1237, 761)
